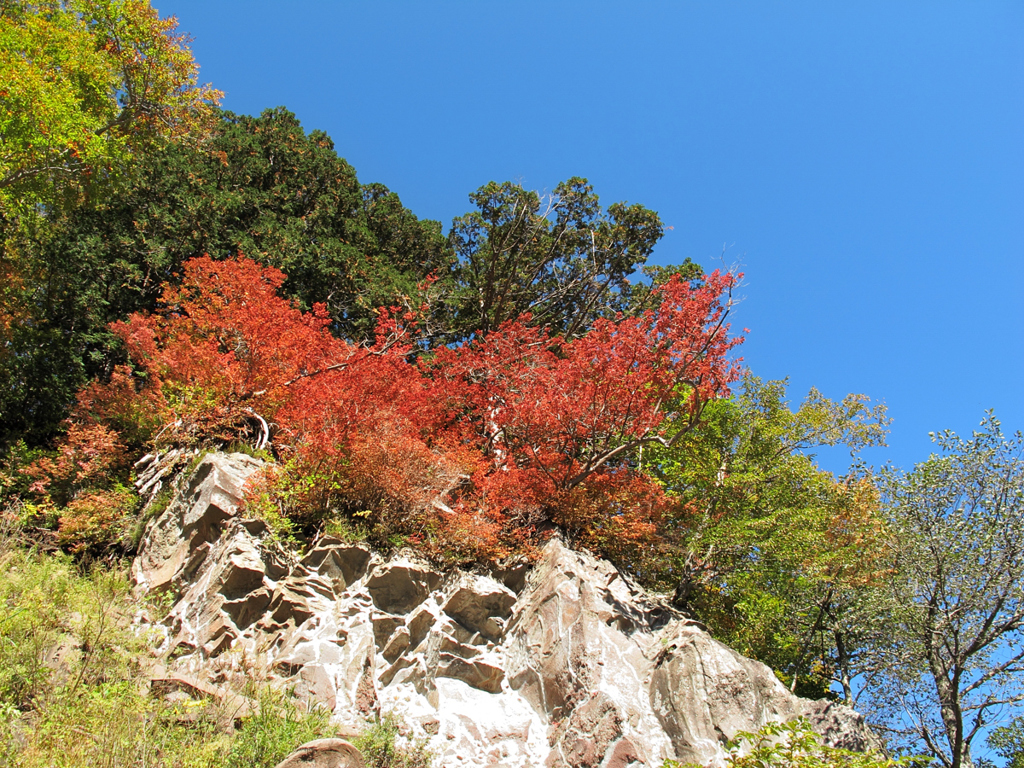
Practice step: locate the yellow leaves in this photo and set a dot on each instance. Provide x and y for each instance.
(86, 84)
(56, 80)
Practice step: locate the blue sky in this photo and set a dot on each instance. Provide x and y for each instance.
(862, 162)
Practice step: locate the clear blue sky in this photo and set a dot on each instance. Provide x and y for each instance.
(863, 162)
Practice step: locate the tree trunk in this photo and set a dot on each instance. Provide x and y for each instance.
(949, 707)
(843, 666)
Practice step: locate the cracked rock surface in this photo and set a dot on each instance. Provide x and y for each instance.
(566, 663)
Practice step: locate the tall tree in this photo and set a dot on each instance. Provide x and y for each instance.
(86, 84)
(956, 603)
(764, 546)
(86, 88)
(562, 258)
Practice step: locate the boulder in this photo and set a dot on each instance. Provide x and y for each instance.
(840, 726)
(228, 592)
(324, 753)
(196, 516)
(399, 587)
(705, 693)
(340, 562)
(480, 604)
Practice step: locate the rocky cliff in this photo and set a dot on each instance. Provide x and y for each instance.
(562, 663)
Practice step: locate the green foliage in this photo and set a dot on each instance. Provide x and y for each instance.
(770, 551)
(114, 725)
(47, 607)
(561, 258)
(36, 597)
(277, 727)
(347, 501)
(14, 484)
(383, 747)
(69, 665)
(283, 197)
(951, 656)
(346, 530)
(40, 374)
(796, 745)
(99, 520)
(1008, 743)
(267, 499)
(87, 84)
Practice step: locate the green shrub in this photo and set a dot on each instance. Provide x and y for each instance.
(276, 728)
(796, 745)
(381, 746)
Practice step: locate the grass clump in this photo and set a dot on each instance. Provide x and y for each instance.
(275, 729)
(74, 691)
(796, 745)
(383, 746)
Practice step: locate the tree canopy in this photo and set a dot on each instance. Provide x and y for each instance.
(261, 186)
(264, 187)
(955, 608)
(86, 85)
(764, 546)
(561, 258)
(89, 87)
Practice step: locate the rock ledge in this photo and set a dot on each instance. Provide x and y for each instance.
(571, 666)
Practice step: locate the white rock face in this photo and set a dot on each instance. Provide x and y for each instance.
(572, 665)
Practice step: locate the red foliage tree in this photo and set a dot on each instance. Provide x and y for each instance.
(571, 408)
(555, 416)
(89, 453)
(470, 450)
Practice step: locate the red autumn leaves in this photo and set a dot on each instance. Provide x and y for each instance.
(467, 449)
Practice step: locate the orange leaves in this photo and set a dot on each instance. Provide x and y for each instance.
(96, 518)
(571, 408)
(225, 324)
(88, 454)
(469, 454)
(132, 407)
(855, 540)
(225, 344)
(617, 513)
(691, 326)
(561, 420)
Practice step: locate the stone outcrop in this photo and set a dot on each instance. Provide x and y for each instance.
(566, 663)
(204, 503)
(324, 753)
